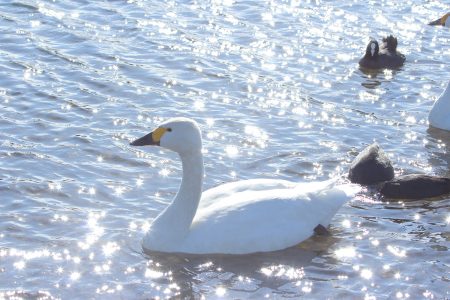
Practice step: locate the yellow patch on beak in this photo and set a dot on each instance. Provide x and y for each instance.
(158, 133)
(444, 19)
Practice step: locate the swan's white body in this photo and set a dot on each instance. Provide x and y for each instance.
(241, 217)
(439, 116)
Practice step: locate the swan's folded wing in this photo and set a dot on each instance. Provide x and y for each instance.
(254, 221)
(250, 222)
(213, 195)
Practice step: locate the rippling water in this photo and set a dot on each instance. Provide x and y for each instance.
(276, 88)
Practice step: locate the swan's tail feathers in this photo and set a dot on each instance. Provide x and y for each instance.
(330, 200)
(350, 189)
(340, 194)
(314, 187)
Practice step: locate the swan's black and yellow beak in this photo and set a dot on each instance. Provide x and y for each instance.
(440, 21)
(151, 139)
(145, 140)
(436, 22)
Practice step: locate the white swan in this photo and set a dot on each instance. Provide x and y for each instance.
(439, 116)
(241, 217)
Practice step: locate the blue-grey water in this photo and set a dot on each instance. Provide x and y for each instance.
(277, 91)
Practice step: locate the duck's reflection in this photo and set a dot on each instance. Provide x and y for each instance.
(370, 78)
(374, 77)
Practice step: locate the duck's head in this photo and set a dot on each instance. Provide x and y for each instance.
(390, 43)
(372, 49)
(181, 135)
(443, 21)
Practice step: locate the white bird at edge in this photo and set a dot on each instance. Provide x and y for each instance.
(248, 216)
(439, 116)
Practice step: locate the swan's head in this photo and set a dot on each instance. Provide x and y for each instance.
(443, 21)
(181, 135)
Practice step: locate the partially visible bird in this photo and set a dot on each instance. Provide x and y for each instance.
(442, 21)
(389, 44)
(439, 116)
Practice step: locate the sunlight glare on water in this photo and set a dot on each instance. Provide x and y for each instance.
(276, 89)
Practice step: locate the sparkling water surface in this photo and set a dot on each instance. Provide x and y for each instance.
(277, 91)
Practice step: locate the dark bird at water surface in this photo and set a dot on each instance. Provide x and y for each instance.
(384, 57)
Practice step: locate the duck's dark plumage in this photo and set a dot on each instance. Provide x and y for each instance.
(386, 57)
(389, 44)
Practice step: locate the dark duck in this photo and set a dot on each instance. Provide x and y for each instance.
(386, 57)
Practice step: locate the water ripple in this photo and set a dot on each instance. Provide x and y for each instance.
(277, 91)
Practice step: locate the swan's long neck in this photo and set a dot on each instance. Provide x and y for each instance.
(174, 222)
(190, 191)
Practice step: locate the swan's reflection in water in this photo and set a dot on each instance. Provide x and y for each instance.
(439, 148)
(191, 276)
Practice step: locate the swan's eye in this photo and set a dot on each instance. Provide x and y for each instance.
(169, 129)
